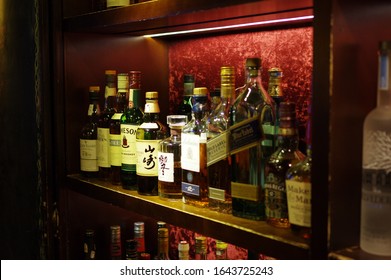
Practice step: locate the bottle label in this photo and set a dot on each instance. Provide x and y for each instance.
(217, 148)
(166, 167)
(269, 131)
(115, 150)
(128, 144)
(117, 3)
(245, 191)
(116, 116)
(190, 152)
(103, 147)
(88, 155)
(110, 91)
(275, 197)
(190, 189)
(384, 70)
(217, 194)
(147, 157)
(378, 179)
(245, 134)
(299, 202)
(90, 109)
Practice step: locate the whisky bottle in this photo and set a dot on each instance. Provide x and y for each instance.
(219, 182)
(200, 248)
(162, 248)
(276, 92)
(88, 136)
(193, 152)
(139, 237)
(169, 157)
(89, 245)
(185, 106)
(286, 155)
(298, 189)
(221, 250)
(148, 136)
(115, 242)
(375, 235)
(183, 250)
(130, 121)
(252, 135)
(115, 128)
(104, 125)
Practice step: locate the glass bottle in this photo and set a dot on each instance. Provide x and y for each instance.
(276, 92)
(139, 237)
(200, 248)
(104, 125)
(252, 119)
(115, 128)
(375, 235)
(183, 250)
(185, 106)
(89, 245)
(162, 253)
(298, 189)
(148, 136)
(286, 155)
(130, 121)
(88, 136)
(193, 153)
(115, 242)
(131, 249)
(221, 250)
(219, 181)
(169, 156)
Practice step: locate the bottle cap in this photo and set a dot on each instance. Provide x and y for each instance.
(215, 92)
(111, 72)
(162, 233)
(227, 71)
(253, 62)
(183, 246)
(188, 78)
(275, 72)
(200, 244)
(89, 232)
(139, 226)
(221, 245)
(161, 224)
(94, 92)
(151, 95)
(200, 91)
(176, 121)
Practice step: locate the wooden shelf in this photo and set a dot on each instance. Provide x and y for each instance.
(354, 253)
(261, 237)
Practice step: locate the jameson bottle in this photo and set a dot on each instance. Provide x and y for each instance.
(130, 121)
(88, 136)
(148, 136)
(89, 245)
(104, 125)
(286, 155)
(193, 153)
(252, 135)
(115, 242)
(115, 129)
(169, 157)
(298, 189)
(219, 182)
(185, 106)
(375, 235)
(162, 247)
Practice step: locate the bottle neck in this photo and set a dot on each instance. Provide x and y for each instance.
(288, 138)
(162, 248)
(384, 79)
(254, 80)
(134, 98)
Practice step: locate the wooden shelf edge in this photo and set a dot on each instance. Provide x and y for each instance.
(354, 253)
(257, 235)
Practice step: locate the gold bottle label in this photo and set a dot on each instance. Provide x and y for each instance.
(217, 148)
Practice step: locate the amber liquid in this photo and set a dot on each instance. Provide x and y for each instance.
(219, 178)
(172, 190)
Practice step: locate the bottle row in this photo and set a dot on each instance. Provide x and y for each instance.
(237, 153)
(134, 248)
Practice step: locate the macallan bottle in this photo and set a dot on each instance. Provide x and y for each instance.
(286, 155)
(130, 121)
(375, 235)
(219, 182)
(169, 157)
(148, 136)
(193, 153)
(104, 125)
(185, 106)
(88, 137)
(252, 117)
(162, 247)
(298, 189)
(115, 129)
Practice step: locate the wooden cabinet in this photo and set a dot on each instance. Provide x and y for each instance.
(343, 51)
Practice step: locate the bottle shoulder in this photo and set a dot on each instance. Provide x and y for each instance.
(378, 119)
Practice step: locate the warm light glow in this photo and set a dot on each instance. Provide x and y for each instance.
(273, 21)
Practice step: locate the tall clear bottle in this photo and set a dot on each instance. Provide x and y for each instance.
(185, 106)
(286, 155)
(130, 121)
(115, 129)
(104, 125)
(375, 235)
(169, 156)
(89, 135)
(252, 136)
(219, 182)
(148, 136)
(193, 152)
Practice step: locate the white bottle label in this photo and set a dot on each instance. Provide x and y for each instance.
(115, 150)
(147, 157)
(217, 148)
(103, 147)
(128, 144)
(190, 152)
(299, 202)
(166, 167)
(88, 155)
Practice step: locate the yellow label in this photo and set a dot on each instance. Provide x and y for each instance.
(245, 191)
(217, 148)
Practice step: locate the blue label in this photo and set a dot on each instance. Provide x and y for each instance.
(246, 134)
(190, 189)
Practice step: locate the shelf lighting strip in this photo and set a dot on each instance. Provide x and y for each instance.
(265, 22)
